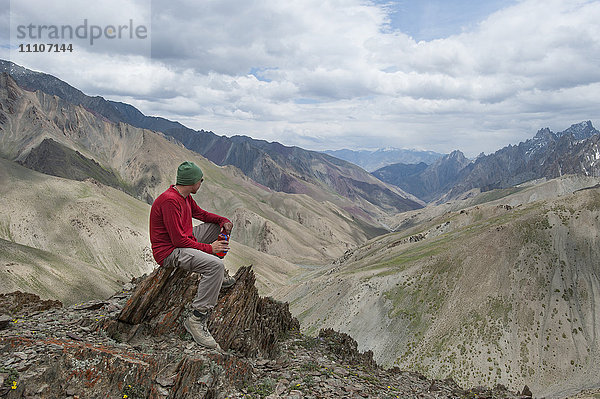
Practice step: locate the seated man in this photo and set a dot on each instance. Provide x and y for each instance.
(175, 242)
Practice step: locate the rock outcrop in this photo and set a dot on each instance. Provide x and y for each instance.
(132, 346)
(24, 303)
(242, 321)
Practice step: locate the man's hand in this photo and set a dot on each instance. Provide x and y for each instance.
(227, 227)
(220, 246)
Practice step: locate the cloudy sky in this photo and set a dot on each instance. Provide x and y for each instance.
(328, 74)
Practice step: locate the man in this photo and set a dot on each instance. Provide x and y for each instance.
(175, 242)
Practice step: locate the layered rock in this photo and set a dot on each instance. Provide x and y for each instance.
(24, 303)
(242, 321)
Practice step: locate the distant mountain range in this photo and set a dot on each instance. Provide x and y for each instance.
(427, 182)
(411, 175)
(376, 159)
(281, 168)
(575, 150)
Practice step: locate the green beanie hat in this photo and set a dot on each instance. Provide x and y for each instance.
(188, 174)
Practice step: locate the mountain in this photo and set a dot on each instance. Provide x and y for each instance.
(498, 292)
(535, 190)
(547, 155)
(76, 241)
(295, 170)
(281, 168)
(53, 158)
(68, 240)
(423, 181)
(377, 159)
(32, 81)
(74, 218)
(498, 288)
(405, 176)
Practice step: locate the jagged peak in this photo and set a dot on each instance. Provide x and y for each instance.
(15, 69)
(456, 154)
(9, 89)
(455, 157)
(580, 131)
(544, 134)
(8, 80)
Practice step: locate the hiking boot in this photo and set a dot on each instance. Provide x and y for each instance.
(196, 326)
(228, 281)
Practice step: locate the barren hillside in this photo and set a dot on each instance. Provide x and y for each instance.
(502, 292)
(54, 221)
(68, 240)
(76, 241)
(292, 226)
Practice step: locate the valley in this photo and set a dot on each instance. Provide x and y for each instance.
(504, 291)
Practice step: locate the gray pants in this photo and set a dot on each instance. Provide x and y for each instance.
(209, 266)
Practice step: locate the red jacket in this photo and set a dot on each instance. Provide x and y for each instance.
(171, 224)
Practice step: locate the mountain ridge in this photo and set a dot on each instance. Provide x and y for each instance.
(277, 227)
(264, 162)
(529, 160)
(371, 160)
(574, 150)
(404, 278)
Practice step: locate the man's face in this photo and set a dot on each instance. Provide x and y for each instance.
(197, 186)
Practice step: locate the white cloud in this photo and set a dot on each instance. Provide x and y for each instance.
(330, 73)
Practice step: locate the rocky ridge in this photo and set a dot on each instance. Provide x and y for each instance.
(281, 168)
(79, 352)
(547, 155)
